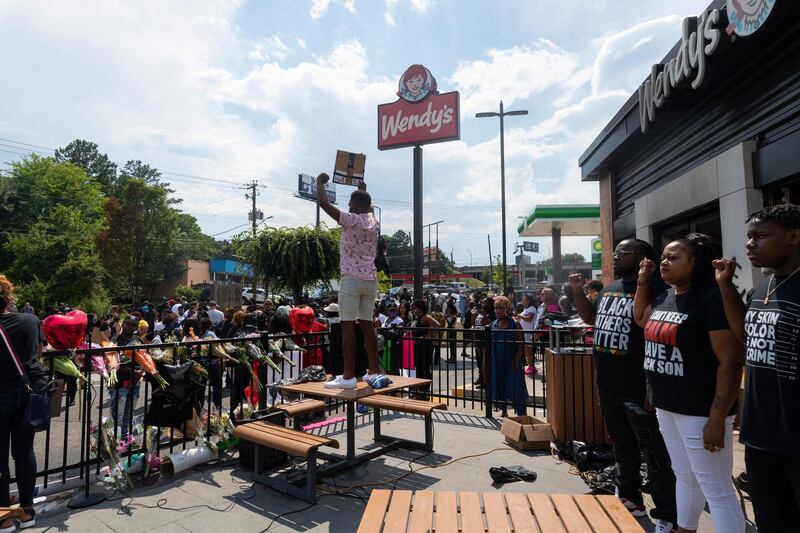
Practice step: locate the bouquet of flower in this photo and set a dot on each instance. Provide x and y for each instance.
(143, 359)
(102, 443)
(255, 354)
(62, 364)
(111, 360)
(98, 362)
(241, 356)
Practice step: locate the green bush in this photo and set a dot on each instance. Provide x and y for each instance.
(187, 292)
(98, 302)
(36, 293)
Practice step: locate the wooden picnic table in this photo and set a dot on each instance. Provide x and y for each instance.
(424, 511)
(350, 397)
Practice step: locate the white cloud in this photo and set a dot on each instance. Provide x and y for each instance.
(418, 6)
(271, 48)
(320, 7)
(512, 74)
(301, 43)
(618, 63)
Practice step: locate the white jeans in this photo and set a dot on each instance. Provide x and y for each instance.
(701, 475)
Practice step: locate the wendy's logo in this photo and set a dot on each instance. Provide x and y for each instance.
(747, 16)
(416, 83)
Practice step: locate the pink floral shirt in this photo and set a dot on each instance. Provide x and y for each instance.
(358, 245)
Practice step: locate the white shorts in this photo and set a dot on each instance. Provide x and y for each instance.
(357, 299)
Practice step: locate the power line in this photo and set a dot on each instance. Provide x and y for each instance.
(28, 144)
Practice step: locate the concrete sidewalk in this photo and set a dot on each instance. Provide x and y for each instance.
(223, 498)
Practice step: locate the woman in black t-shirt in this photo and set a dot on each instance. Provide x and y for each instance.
(24, 333)
(693, 364)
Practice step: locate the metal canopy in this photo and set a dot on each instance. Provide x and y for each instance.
(572, 220)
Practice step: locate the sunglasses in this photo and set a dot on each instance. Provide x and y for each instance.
(623, 253)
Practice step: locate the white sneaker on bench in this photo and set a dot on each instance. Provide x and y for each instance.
(340, 383)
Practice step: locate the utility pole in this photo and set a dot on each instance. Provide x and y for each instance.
(254, 216)
(491, 260)
(502, 114)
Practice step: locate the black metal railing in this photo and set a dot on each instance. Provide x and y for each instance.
(454, 360)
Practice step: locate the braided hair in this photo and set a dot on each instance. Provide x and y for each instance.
(703, 252)
(787, 215)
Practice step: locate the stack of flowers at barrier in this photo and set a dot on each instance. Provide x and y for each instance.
(106, 449)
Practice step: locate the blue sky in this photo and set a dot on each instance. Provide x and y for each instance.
(236, 90)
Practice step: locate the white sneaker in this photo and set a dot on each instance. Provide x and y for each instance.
(340, 383)
(662, 526)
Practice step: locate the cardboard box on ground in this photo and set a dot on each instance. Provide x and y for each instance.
(527, 433)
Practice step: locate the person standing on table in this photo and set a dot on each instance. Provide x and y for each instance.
(768, 326)
(358, 288)
(618, 357)
(693, 364)
(24, 332)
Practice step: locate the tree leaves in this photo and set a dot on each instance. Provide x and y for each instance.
(292, 258)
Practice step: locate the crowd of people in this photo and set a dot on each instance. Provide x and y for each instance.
(671, 339)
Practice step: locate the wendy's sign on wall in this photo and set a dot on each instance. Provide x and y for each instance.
(421, 115)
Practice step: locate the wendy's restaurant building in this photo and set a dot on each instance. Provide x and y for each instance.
(711, 135)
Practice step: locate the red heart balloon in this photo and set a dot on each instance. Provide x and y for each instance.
(65, 332)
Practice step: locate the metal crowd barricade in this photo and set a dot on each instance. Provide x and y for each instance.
(62, 452)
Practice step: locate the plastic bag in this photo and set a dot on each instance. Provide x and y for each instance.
(510, 474)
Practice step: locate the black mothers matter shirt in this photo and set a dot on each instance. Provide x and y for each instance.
(678, 358)
(25, 332)
(619, 341)
(771, 413)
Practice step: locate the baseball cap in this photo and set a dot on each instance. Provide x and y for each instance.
(331, 308)
(143, 324)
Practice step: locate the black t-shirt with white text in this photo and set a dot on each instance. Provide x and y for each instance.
(619, 341)
(678, 358)
(771, 413)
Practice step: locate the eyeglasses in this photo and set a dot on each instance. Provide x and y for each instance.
(623, 253)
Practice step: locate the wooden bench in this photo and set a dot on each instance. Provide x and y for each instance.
(403, 405)
(295, 443)
(296, 409)
(496, 512)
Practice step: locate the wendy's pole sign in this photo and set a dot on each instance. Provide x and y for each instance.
(420, 116)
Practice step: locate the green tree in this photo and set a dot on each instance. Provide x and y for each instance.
(55, 213)
(87, 155)
(565, 259)
(293, 258)
(139, 243)
(399, 252)
(497, 274)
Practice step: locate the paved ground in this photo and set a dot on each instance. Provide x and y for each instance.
(224, 498)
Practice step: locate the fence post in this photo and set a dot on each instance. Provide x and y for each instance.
(487, 372)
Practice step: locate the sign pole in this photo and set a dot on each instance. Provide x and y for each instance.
(418, 222)
(317, 214)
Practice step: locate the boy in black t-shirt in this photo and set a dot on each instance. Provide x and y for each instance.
(618, 358)
(769, 327)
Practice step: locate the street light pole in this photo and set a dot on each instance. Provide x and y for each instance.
(502, 114)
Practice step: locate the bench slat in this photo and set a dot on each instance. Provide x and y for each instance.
(570, 514)
(471, 513)
(422, 513)
(520, 512)
(417, 407)
(621, 517)
(496, 516)
(372, 520)
(399, 509)
(300, 407)
(293, 434)
(446, 513)
(594, 514)
(290, 441)
(545, 513)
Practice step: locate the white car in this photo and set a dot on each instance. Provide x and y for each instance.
(247, 295)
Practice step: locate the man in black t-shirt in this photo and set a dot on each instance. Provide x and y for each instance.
(769, 328)
(618, 358)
